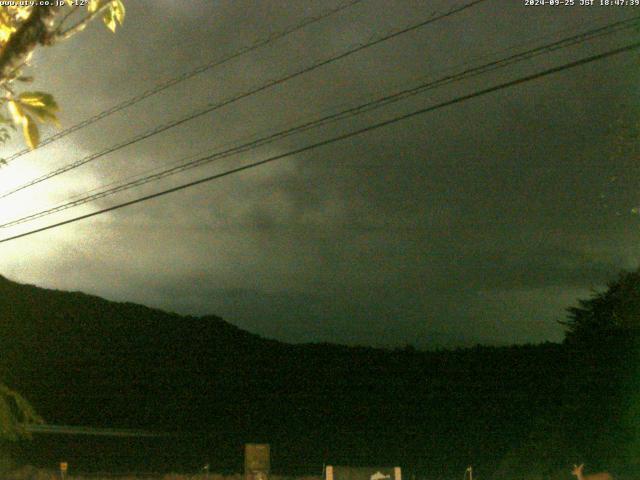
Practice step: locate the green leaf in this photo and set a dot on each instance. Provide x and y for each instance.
(43, 115)
(109, 20)
(41, 105)
(38, 99)
(16, 111)
(93, 5)
(30, 132)
(118, 10)
(114, 15)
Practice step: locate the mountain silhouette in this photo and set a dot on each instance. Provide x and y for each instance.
(83, 360)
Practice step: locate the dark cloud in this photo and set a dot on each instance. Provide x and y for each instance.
(478, 222)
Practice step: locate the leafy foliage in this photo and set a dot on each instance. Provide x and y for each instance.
(15, 414)
(612, 313)
(113, 15)
(29, 109)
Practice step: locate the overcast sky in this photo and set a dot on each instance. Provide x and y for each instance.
(479, 222)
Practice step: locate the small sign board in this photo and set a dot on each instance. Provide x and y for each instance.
(257, 461)
(64, 467)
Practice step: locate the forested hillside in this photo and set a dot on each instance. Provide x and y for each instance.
(520, 411)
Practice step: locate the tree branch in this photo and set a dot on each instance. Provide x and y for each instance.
(34, 31)
(81, 25)
(72, 10)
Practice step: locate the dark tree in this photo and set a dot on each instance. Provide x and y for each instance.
(603, 334)
(612, 314)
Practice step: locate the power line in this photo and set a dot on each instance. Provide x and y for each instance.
(363, 108)
(511, 48)
(211, 107)
(338, 138)
(186, 76)
(93, 431)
